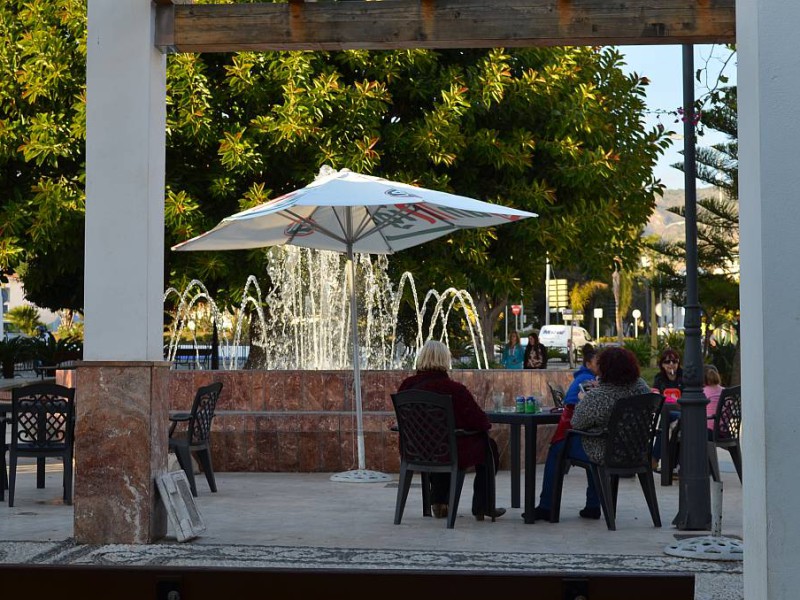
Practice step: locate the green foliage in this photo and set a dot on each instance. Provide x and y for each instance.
(722, 356)
(717, 220)
(13, 350)
(641, 348)
(52, 351)
(42, 138)
(24, 318)
(675, 340)
(558, 131)
(70, 329)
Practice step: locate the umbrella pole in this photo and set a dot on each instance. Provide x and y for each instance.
(361, 475)
(362, 458)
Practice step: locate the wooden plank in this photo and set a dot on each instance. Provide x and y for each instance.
(210, 582)
(396, 24)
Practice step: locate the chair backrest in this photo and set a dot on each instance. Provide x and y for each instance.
(205, 403)
(426, 424)
(654, 429)
(728, 419)
(629, 430)
(42, 415)
(557, 394)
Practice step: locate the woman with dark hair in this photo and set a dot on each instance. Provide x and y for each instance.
(670, 374)
(433, 364)
(618, 372)
(535, 353)
(582, 378)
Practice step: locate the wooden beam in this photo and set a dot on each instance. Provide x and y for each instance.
(396, 24)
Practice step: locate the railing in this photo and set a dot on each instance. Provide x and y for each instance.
(189, 356)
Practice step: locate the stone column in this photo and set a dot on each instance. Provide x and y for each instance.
(120, 445)
(769, 184)
(121, 404)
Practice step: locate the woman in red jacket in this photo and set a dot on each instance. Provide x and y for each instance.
(433, 364)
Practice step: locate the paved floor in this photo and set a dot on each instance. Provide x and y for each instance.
(306, 521)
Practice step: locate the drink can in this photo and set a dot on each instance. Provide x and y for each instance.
(520, 403)
(531, 405)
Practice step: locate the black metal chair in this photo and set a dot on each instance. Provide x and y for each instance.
(42, 426)
(727, 424)
(557, 394)
(628, 443)
(198, 433)
(3, 449)
(426, 424)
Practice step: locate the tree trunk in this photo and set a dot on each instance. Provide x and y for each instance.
(615, 284)
(736, 368)
(489, 311)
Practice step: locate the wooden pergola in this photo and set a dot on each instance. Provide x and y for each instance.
(396, 24)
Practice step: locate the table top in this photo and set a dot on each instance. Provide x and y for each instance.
(541, 418)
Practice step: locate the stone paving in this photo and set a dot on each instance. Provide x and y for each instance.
(286, 520)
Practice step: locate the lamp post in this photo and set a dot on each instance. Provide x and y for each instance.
(636, 314)
(694, 508)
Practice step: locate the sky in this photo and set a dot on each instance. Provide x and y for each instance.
(662, 65)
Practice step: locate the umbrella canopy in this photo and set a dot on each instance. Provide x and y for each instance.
(346, 211)
(349, 212)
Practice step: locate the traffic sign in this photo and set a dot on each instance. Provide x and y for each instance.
(516, 309)
(557, 293)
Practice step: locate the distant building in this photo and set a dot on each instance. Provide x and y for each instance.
(13, 295)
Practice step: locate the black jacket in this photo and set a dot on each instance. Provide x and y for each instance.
(529, 351)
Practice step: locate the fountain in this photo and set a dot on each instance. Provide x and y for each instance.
(303, 320)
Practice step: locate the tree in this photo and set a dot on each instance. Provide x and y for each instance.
(717, 222)
(24, 318)
(585, 168)
(42, 120)
(718, 215)
(553, 130)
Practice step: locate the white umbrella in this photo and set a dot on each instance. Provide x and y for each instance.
(349, 212)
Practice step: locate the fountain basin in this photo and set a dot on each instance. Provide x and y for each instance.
(304, 421)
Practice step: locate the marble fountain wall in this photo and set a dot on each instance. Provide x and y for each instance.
(304, 421)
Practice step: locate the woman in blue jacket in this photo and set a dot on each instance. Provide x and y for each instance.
(513, 353)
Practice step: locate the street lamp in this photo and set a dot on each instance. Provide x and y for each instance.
(636, 314)
(694, 508)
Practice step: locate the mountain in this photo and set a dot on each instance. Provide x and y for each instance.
(667, 225)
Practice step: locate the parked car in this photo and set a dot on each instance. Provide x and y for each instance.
(556, 337)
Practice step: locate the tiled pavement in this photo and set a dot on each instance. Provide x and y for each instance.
(293, 520)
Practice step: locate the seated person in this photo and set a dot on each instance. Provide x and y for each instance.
(670, 375)
(618, 372)
(711, 390)
(583, 376)
(433, 364)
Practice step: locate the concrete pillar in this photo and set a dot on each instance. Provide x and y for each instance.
(769, 180)
(120, 405)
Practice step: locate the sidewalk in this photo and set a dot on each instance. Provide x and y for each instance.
(301, 520)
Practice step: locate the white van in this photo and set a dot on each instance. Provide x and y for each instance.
(556, 336)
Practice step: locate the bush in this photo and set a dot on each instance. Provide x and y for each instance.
(675, 340)
(722, 356)
(641, 348)
(24, 318)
